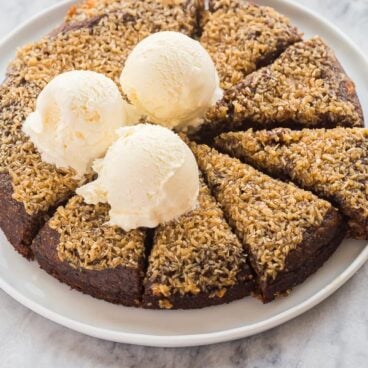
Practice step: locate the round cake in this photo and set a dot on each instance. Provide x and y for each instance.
(282, 156)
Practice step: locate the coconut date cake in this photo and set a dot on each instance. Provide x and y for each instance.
(288, 232)
(241, 37)
(250, 232)
(78, 248)
(332, 163)
(196, 261)
(305, 87)
(98, 37)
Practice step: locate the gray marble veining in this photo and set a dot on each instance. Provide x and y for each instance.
(332, 335)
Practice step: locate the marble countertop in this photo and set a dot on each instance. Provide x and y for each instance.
(333, 334)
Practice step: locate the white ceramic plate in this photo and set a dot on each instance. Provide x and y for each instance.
(25, 282)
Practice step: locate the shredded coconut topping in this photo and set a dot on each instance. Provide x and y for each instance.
(86, 241)
(101, 44)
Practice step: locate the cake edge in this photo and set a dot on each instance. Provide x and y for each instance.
(120, 285)
(316, 248)
(19, 227)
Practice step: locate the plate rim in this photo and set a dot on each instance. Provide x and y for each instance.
(190, 339)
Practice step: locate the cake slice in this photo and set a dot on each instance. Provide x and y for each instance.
(29, 188)
(288, 232)
(305, 87)
(242, 37)
(79, 249)
(197, 261)
(332, 163)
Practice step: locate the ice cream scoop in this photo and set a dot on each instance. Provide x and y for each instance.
(75, 120)
(149, 176)
(171, 79)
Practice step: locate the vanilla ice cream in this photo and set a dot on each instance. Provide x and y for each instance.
(149, 176)
(76, 118)
(171, 79)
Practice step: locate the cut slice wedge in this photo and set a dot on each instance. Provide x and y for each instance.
(288, 232)
(197, 261)
(306, 87)
(332, 163)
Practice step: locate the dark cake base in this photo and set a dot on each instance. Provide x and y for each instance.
(208, 131)
(318, 245)
(311, 265)
(202, 300)
(19, 227)
(119, 285)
